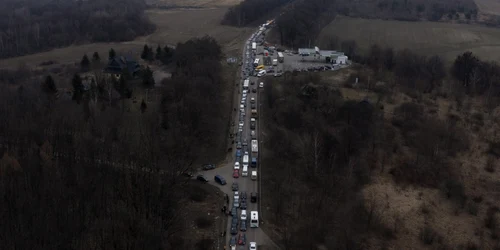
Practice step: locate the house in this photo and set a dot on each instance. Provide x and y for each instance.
(120, 64)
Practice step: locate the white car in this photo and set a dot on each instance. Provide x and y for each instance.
(252, 100)
(261, 73)
(261, 85)
(246, 152)
(245, 92)
(237, 166)
(242, 106)
(241, 124)
(243, 215)
(253, 246)
(236, 196)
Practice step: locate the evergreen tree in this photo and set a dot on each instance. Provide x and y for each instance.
(49, 86)
(159, 53)
(144, 106)
(147, 78)
(111, 53)
(151, 54)
(96, 57)
(78, 88)
(145, 52)
(85, 63)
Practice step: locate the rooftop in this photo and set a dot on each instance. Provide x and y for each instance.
(306, 51)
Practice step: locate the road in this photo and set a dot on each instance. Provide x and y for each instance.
(245, 183)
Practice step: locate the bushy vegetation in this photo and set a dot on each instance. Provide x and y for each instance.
(87, 175)
(32, 26)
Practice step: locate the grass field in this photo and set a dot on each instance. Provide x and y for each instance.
(444, 39)
(173, 26)
(488, 6)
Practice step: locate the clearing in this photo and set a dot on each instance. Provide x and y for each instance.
(427, 38)
(488, 6)
(173, 26)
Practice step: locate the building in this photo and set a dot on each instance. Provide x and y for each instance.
(118, 65)
(329, 56)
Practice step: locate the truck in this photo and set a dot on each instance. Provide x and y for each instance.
(254, 46)
(281, 58)
(254, 162)
(246, 83)
(255, 146)
(275, 62)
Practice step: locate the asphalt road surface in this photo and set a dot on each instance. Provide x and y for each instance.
(246, 184)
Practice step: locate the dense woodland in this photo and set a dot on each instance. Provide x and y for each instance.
(325, 148)
(83, 173)
(32, 26)
(249, 11)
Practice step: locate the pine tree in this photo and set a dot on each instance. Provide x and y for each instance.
(96, 57)
(78, 88)
(159, 52)
(111, 53)
(144, 106)
(145, 52)
(49, 86)
(85, 63)
(147, 78)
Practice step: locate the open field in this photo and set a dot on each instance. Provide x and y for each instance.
(488, 6)
(173, 26)
(444, 39)
(194, 3)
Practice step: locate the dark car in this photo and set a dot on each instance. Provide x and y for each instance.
(253, 197)
(242, 239)
(201, 178)
(234, 187)
(243, 204)
(238, 145)
(234, 212)
(219, 179)
(254, 90)
(234, 231)
(243, 195)
(238, 151)
(208, 166)
(234, 221)
(232, 241)
(187, 174)
(243, 226)
(253, 106)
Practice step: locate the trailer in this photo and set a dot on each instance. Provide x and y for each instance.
(254, 46)
(255, 146)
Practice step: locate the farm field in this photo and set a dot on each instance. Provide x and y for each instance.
(444, 39)
(173, 26)
(488, 6)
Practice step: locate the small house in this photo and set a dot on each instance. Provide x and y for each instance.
(118, 65)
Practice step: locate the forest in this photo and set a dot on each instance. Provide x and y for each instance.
(83, 173)
(250, 11)
(30, 26)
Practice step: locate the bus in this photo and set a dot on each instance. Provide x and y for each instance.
(254, 219)
(256, 62)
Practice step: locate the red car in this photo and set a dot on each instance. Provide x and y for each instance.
(236, 173)
(242, 239)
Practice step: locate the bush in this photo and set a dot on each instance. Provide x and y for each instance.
(203, 222)
(204, 244)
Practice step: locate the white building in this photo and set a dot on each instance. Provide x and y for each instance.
(341, 60)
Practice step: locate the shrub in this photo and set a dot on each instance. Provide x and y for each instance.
(204, 244)
(203, 222)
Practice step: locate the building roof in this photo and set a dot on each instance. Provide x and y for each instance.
(306, 51)
(330, 53)
(119, 64)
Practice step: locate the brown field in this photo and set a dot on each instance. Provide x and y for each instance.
(444, 39)
(173, 26)
(488, 6)
(194, 3)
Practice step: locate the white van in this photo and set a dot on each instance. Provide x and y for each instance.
(245, 170)
(254, 175)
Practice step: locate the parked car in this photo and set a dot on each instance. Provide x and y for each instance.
(261, 85)
(201, 178)
(253, 197)
(234, 231)
(243, 204)
(254, 90)
(237, 165)
(219, 179)
(232, 241)
(243, 195)
(234, 211)
(208, 166)
(235, 187)
(253, 246)
(236, 173)
(238, 151)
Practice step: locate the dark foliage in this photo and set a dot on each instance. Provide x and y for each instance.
(35, 26)
(96, 57)
(85, 63)
(250, 11)
(49, 86)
